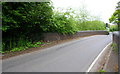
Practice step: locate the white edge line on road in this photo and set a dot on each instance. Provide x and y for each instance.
(97, 58)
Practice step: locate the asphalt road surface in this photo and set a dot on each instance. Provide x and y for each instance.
(73, 56)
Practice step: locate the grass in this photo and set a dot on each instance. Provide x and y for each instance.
(20, 45)
(29, 45)
(115, 47)
(102, 70)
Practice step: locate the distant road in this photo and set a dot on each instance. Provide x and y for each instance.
(73, 56)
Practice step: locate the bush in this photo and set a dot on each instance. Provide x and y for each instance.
(113, 28)
(22, 22)
(63, 22)
(115, 47)
(91, 25)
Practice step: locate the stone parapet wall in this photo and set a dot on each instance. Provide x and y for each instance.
(56, 36)
(116, 37)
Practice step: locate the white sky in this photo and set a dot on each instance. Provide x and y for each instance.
(102, 8)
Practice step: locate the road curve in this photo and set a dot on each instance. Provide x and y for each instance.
(73, 56)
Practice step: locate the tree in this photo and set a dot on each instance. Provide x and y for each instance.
(63, 22)
(116, 15)
(23, 21)
(115, 18)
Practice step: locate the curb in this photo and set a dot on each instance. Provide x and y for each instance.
(106, 63)
(98, 62)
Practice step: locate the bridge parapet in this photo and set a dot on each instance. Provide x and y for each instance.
(56, 36)
(116, 37)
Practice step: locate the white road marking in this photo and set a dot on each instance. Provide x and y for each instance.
(97, 58)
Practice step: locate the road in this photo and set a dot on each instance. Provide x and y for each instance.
(73, 56)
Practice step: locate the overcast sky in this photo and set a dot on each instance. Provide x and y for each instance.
(102, 8)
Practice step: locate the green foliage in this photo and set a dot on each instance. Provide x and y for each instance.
(63, 23)
(113, 28)
(31, 15)
(23, 23)
(69, 22)
(115, 16)
(91, 25)
(24, 47)
(115, 47)
(102, 70)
